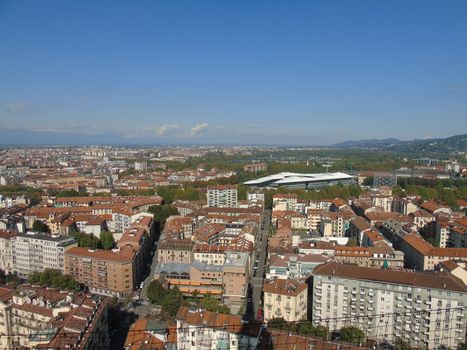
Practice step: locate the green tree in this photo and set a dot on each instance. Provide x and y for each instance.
(321, 332)
(39, 226)
(278, 323)
(351, 334)
(161, 213)
(156, 292)
(401, 345)
(305, 327)
(107, 240)
(353, 242)
(172, 302)
(86, 240)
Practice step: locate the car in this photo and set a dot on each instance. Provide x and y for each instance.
(249, 300)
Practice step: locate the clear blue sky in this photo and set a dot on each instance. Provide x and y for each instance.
(270, 72)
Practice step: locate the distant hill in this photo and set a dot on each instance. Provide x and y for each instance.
(368, 143)
(453, 144)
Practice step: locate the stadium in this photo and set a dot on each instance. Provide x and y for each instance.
(305, 181)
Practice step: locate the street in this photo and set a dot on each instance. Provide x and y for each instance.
(256, 279)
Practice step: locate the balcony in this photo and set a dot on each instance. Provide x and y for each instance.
(354, 292)
(418, 301)
(428, 302)
(318, 286)
(353, 299)
(318, 293)
(370, 301)
(370, 308)
(409, 300)
(371, 294)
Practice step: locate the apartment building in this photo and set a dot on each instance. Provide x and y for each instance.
(332, 225)
(404, 206)
(106, 272)
(210, 254)
(34, 251)
(421, 255)
(284, 202)
(178, 251)
(452, 233)
(201, 329)
(255, 167)
(49, 319)
(345, 295)
(286, 298)
(235, 276)
(6, 250)
(222, 196)
(382, 255)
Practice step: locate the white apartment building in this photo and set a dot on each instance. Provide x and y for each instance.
(425, 309)
(200, 329)
(286, 298)
(222, 196)
(283, 202)
(35, 251)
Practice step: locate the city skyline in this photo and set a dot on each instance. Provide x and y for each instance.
(257, 73)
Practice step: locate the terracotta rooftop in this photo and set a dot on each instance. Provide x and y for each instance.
(433, 280)
(284, 286)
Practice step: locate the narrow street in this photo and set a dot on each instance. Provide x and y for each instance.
(259, 260)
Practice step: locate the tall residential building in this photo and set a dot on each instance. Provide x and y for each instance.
(235, 275)
(425, 309)
(286, 298)
(200, 329)
(106, 272)
(34, 251)
(6, 250)
(222, 196)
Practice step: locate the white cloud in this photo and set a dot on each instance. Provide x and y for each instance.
(456, 87)
(162, 130)
(22, 108)
(197, 129)
(15, 107)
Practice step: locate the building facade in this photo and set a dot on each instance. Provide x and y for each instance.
(286, 298)
(222, 196)
(426, 310)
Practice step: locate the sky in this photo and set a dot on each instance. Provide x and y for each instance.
(231, 72)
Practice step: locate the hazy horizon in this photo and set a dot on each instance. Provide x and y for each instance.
(241, 73)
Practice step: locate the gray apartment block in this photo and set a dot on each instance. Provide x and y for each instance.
(424, 309)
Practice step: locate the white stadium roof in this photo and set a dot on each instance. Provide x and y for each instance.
(291, 178)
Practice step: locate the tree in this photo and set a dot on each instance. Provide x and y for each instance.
(172, 302)
(213, 305)
(85, 240)
(53, 278)
(353, 242)
(39, 226)
(321, 332)
(305, 327)
(161, 213)
(156, 292)
(107, 240)
(402, 345)
(351, 334)
(278, 323)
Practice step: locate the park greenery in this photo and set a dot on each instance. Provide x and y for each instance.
(54, 279)
(39, 226)
(170, 300)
